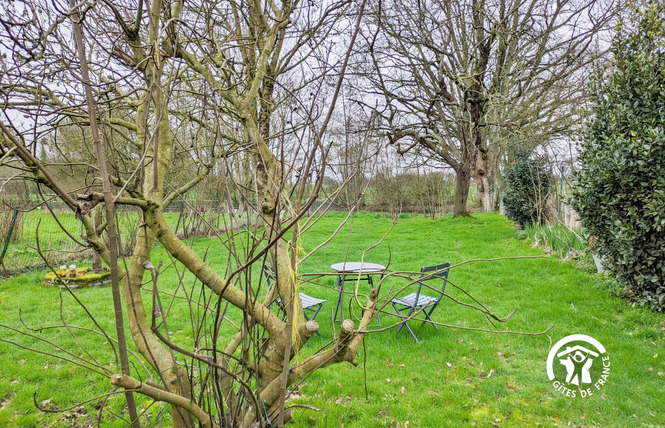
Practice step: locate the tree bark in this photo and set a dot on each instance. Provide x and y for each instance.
(462, 181)
(487, 180)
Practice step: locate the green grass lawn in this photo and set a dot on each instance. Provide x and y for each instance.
(452, 378)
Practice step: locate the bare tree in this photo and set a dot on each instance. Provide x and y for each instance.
(353, 157)
(171, 91)
(458, 78)
(160, 96)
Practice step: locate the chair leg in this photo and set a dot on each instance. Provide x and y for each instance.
(316, 312)
(280, 309)
(399, 314)
(404, 321)
(412, 334)
(405, 324)
(427, 317)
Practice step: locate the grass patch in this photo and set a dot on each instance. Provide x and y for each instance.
(453, 378)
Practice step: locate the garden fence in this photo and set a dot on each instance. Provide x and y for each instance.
(29, 238)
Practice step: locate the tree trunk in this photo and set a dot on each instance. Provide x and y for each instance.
(147, 343)
(462, 180)
(96, 258)
(487, 176)
(488, 192)
(108, 205)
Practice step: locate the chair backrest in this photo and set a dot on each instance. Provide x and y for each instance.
(269, 273)
(434, 272)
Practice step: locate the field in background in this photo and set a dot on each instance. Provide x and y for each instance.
(453, 378)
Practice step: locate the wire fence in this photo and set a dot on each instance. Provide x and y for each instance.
(51, 235)
(31, 239)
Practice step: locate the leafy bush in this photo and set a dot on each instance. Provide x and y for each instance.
(526, 187)
(620, 187)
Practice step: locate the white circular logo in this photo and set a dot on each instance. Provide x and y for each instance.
(581, 367)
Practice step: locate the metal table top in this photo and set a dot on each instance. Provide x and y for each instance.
(357, 267)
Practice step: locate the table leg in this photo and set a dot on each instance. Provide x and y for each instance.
(340, 297)
(370, 281)
(368, 278)
(378, 314)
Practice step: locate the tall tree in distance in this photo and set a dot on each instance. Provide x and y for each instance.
(457, 79)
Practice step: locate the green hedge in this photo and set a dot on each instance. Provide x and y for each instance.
(620, 187)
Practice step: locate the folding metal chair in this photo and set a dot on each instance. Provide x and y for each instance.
(415, 302)
(309, 303)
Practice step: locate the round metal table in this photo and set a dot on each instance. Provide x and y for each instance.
(354, 269)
